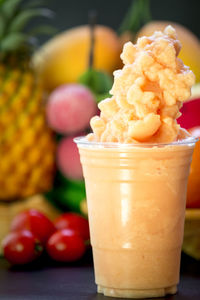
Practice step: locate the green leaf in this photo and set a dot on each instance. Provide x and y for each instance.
(66, 193)
(20, 21)
(35, 3)
(9, 8)
(103, 96)
(2, 25)
(99, 82)
(147, 13)
(138, 14)
(43, 29)
(131, 18)
(12, 41)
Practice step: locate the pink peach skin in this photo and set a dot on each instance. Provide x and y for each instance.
(70, 108)
(190, 114)
(68, 159)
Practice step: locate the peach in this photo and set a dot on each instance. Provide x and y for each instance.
(68, 159)
(70, 108)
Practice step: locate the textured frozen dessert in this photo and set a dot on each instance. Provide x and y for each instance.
(136, 190)
(147, 93)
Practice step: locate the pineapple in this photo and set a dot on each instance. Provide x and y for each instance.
(27, 146)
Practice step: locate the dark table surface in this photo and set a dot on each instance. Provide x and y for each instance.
(47, 280)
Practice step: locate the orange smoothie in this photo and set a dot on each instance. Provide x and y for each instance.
(136, 204)
(136, 164)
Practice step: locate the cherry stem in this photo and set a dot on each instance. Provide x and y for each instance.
(38, 247)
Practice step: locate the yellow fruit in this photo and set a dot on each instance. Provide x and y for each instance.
(191, 242)
(27, 146)
(195, 91)
(65, 57)
(190, 52)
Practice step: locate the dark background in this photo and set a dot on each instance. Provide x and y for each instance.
(71, 13)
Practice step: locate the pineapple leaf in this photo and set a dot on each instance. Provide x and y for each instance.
(20, 21)
(2, 25)
(35, 3)
(12, 41)
(9, 7)
(43, 29)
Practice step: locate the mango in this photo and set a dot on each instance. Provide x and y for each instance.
(66, 56)
(190, 52)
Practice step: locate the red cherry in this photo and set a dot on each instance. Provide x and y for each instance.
(34, 221)
(21, 247)
(66, 245)
(73, 221)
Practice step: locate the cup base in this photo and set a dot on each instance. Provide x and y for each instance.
(136, 293)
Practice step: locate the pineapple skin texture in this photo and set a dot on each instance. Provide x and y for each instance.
(27, 145)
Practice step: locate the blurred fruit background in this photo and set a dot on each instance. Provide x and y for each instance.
(56, 64)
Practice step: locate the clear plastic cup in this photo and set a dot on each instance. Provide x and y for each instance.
(136, 198)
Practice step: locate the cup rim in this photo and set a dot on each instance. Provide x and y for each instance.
(82, 141)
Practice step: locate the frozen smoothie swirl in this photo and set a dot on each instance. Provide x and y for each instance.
(147, 93)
